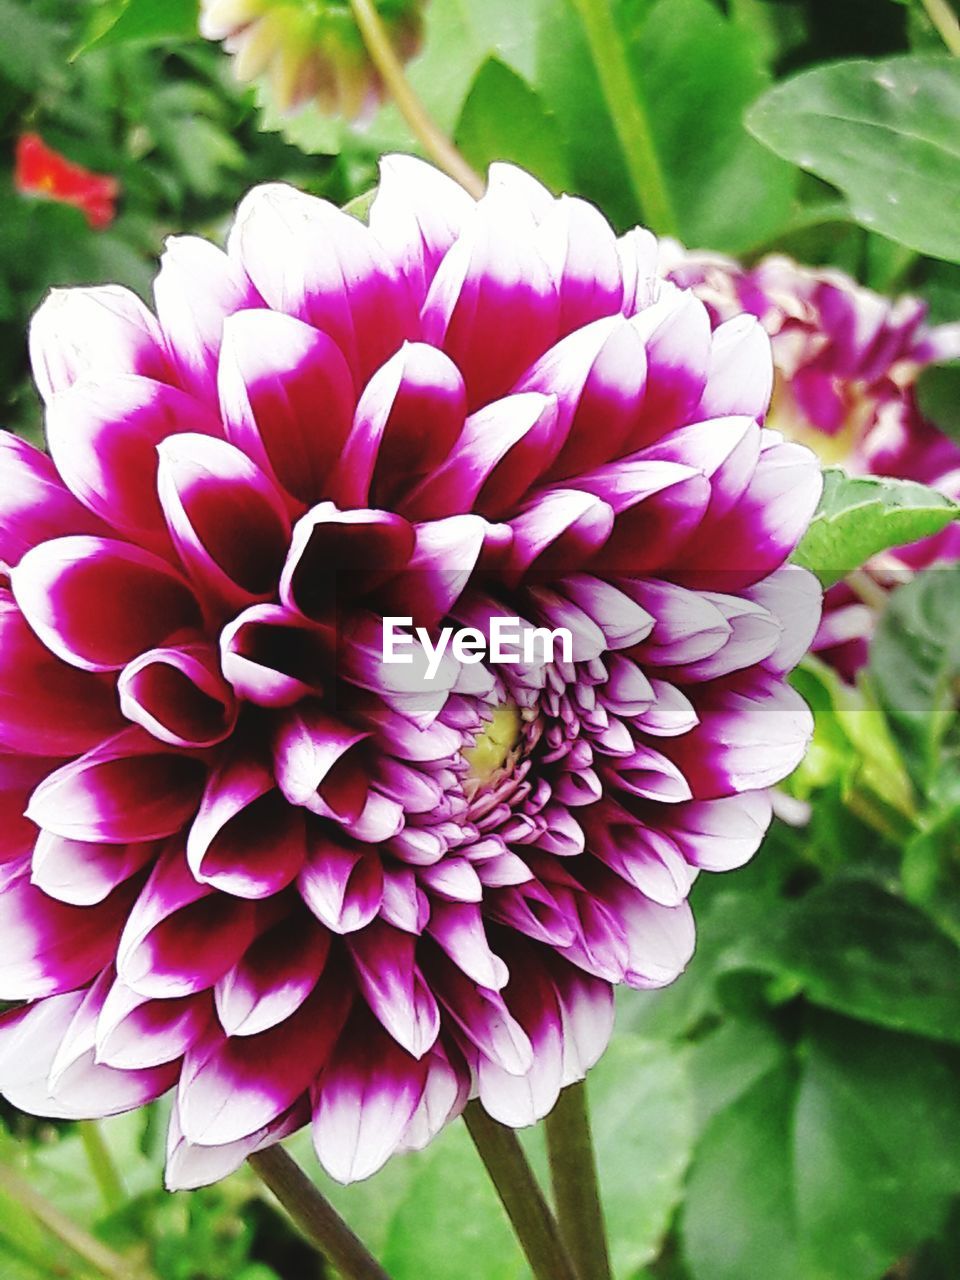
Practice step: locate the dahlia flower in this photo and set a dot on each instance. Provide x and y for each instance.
(309, 52)
(847, 361)
(246, 859)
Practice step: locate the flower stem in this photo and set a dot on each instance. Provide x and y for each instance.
(520, 1195)
(628, 113)
(943, 17)
(101, 1164)
(315, 1216)
(435, 142)
(576, 1192)
(85, 1246)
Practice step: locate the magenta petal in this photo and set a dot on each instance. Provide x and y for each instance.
(483, 1019)
(523, 1100)
(365, 1100)
(492, 305)
(190, 1166)
(35, 505)
(341, 883)
(245, 840)
(718, 835)
(753, 731)
(179, 696)
(272, 657)
(657, 507)
(387, 447)
(342, 554)
(317, 763)
(197, 288)
(30, 1043)
(103, 438)
(559, 529)
(227, 520)
(586, 1011)
(445, 1094)
(130, 788)
(443, 561)
(676, 332)
(274, 977)
(76, 593)
(417, 214)
(393, 986)
(49, 946)
(94, 334)
(19, 775)
(180, 936)
(230, 1088)
(580, 250)
(795, 598)
(47, 707)
(313, 261)
(740, 377)
(278, 376)
(503, 448)
(82, 873)
(458, 929)
(134, 1033)
(757, 536)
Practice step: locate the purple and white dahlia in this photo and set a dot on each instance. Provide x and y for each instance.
(846, 362)
(245, 858)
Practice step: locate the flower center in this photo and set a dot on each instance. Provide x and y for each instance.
(493, 747)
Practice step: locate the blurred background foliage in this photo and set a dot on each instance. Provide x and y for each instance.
(790, 1109)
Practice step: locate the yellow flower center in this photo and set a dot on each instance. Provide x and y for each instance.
(494, 745)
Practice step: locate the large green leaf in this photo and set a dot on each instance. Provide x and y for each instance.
(451, 1224)
(884, 133)
(697, 72)
(829, 1170)
(142, 21)
(859, 516)
(504, 119)
(641, 1109)
(854, 948)
(915, 665)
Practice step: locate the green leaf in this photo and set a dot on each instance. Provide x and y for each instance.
(738, 1218)
(852, 744)
(832, 1172)
(875, 1153)
(856, 949)
(451, 1224)
(859, 516)
(697, 73)
(641, 1114)
(141, 22)
(504, 119)
(915, 666)
(938, 397)
(884, 133)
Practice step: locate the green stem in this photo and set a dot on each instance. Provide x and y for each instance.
(629, 114)
(576, 1191)
(109, 1264)
(101, 1164)
(520, 1195)
(434, 141)
(315, 1216)
(943, 17)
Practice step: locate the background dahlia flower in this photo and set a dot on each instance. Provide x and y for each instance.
(245, 859)
(310, 52)
(846, 361)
